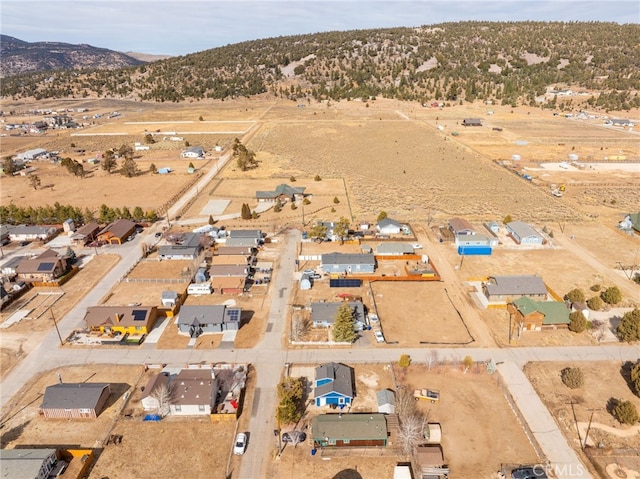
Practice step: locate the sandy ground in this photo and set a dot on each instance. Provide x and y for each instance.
(602, 381)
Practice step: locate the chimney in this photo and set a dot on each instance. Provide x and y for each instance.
(118, 317)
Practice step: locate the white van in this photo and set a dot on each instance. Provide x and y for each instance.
(196, 289)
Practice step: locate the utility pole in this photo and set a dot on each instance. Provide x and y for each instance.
(56, 326)
(586, 434)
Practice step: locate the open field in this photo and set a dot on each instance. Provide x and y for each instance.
(574, 408)
(414, 314)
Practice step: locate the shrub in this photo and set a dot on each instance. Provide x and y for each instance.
(625, 412)
(578, 322)
(467, 362)
(292, 179)
(572, 377)
(382, 215)
(333, 210)
(629, 326)
(404, 361)
(336, 200)
(317, 178)
(293, 206)
(507, 219)
(594, 303)
(306, 201)
(635, 378)
(611, 295)
(595, 288)
(575, 296)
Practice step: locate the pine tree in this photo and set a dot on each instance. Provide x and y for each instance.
(343, 326)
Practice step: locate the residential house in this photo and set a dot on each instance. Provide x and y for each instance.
(349, 430)
(243, 242)
(135, 320)
(472, 122)
(334, 385)
(186, 248)
(388, 226)
(238, 233)
(232, 259)
(347, 263)
(509, 288)
(394, 248)
(117, 232)
(194, 392)
(461, 227)
(31, 155)
(196, 152)
(619, 122)
(32, 233)
(74, 400)
(530, 315)
(283, 193)
(386, 401)
(476, 240)
(27, 463)
(85, 234)
(524, 234)
(492, 226)
(209, 318)
(45, 268)
(234, 250)
(323, 314)
(228, 285)
(149, 398)
(228, 270)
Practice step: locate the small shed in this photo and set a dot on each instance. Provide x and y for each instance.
(305, 282)
(386, 401)
(169, 298)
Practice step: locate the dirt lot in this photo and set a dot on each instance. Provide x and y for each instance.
(486, 439)
(602, 381)
(425, 317)
(21, 338)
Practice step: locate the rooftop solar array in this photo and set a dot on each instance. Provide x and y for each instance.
(45, 266)
(139, 314)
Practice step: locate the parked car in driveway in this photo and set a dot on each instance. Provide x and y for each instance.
(240, 444)
(378, 335)
(529, 472)
(416, 245)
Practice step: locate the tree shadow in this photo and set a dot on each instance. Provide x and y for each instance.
(348, 474)
(611, 405)
(12, 434)
(625, 372)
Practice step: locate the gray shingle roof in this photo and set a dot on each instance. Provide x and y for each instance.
(347, 258)
(516, 285)
(394, 248)
(522, 229)
(206, 314)
(326, 312)
(73, 395)
(341, 376)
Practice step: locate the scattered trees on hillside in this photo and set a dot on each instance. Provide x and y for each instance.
(245, 158)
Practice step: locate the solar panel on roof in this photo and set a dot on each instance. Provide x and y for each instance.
(233, 314)
(45, 266)
(139, 314)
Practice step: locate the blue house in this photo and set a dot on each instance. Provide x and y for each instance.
(334, 385)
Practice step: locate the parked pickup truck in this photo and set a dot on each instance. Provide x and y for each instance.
(426, 394)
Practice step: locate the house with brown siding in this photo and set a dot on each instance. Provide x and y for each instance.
(117, 232)
(85, 234)
(46, 267)
(74, 400)
(228, 285)
(350, 430)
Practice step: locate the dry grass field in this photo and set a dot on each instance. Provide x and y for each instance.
(418, 314)
(574, 408)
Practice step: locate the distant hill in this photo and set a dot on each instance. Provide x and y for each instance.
(23, 57)
(506, 62)
(147, 57)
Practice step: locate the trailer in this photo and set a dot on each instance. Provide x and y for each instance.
(426, 394)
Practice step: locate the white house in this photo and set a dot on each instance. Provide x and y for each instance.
(193, 152)
(30, 233)
(524, 234)
(387, 226)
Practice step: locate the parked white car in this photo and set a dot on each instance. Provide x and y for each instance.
(416, 246)
(379, 336)
(240, 445)
(373, 318)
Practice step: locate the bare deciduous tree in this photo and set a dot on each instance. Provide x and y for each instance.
(405, 403)
(164, 395)
(411, 432)
(432, 358)
(299, 327)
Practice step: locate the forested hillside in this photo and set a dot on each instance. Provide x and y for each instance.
(507, 62)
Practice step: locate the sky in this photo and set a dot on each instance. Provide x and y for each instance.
(179, 27)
